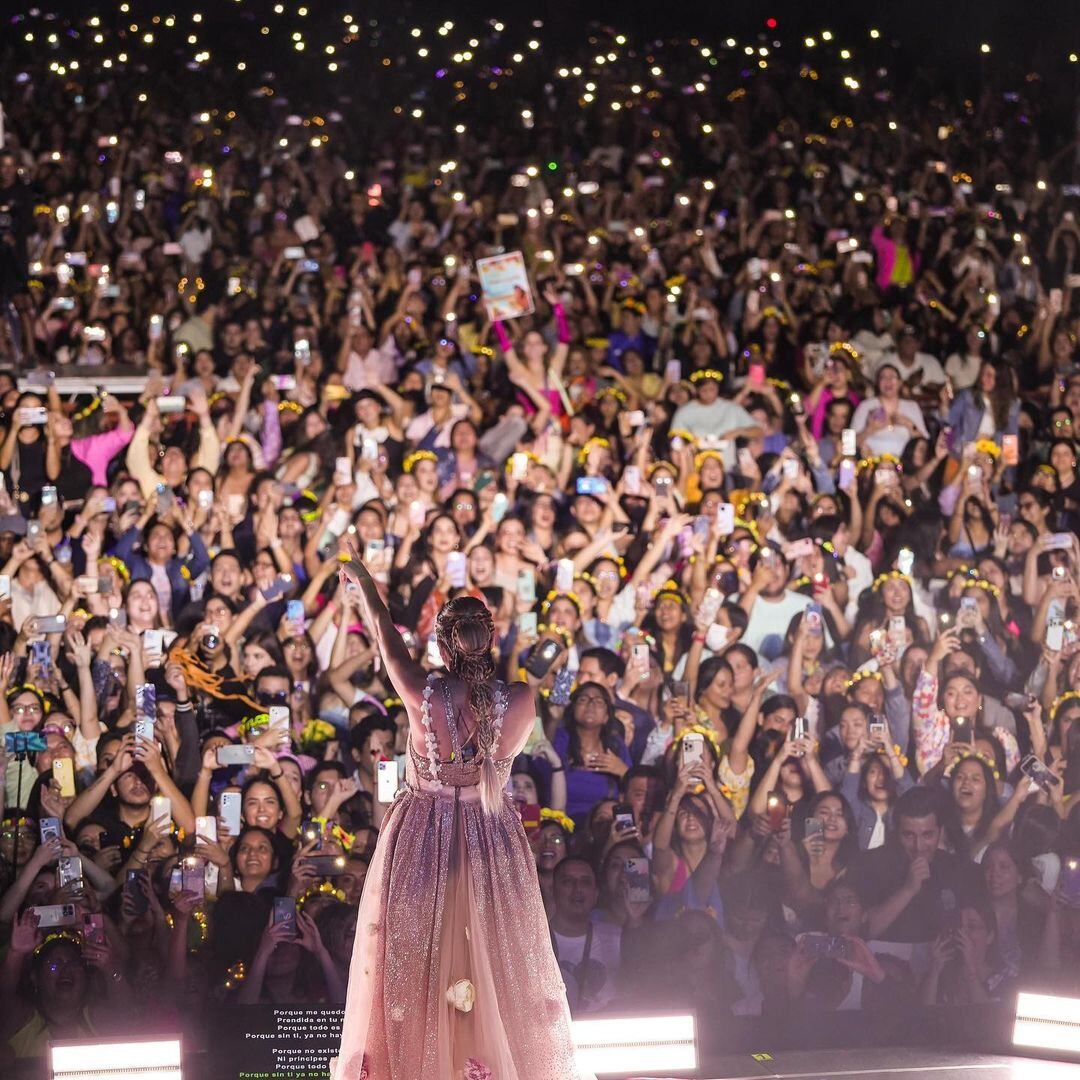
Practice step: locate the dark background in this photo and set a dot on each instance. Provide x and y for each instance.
(1023, 31)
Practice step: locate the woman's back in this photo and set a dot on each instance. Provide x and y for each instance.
(449, 743)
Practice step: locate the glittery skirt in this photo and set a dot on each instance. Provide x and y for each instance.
(451, 916)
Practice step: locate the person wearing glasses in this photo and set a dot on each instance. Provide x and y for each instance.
(590, 745)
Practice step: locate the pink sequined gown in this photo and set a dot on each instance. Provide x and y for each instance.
(452, 895)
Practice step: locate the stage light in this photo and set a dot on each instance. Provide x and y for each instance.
(636, 1044)
(116, 1059)
(1048, 1023)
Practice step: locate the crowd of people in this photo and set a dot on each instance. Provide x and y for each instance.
(773, 498)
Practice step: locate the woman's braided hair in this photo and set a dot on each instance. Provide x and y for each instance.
(465, 632)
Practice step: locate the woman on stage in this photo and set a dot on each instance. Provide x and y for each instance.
(453, 976)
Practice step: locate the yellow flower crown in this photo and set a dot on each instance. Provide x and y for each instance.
(43, 701)
(988, 447)
(612, 392)
(751, 527)
(290, 406)
(703, 455)
(563, 820)
(844, 347)
(550, 628)
(900, 755)
(618, 560)
(656, 466)
(597, 442)
(773, 312)
(94, 405)
(119, 566)
(974, 580)
(596, 343)
(669, 591)
(634, 305)
(416, 457)
(742, 504)
(892, 575)
(858, 676)
(881, 459)
(963, 756)
(257, 723)
(60, 935)
(324, 888)
(1062, 699)
(706, 373)
(587, 578)
(554, 595)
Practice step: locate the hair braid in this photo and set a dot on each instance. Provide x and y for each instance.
(466, 632)
(477, 671)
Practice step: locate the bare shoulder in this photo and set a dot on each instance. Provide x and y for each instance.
(520, 696)
(518, 718)
(520, 705)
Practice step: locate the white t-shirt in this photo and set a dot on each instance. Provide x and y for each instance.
(716, 419)
(923, 364)
(889, 440)
(603, 965)
(770, 619)
(863, 579)
(963, 370)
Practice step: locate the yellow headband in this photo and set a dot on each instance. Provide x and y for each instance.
(883, 459)
(597, 442)
(559, 818)
(669, 591)
(706, 373)
(858, 676)
(119, 566)
(1062, 699)
(891, 575)
(963, 756)
(416, 457)
(704, 455)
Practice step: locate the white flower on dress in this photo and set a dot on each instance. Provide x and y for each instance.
(429, 735)
(462, 995)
